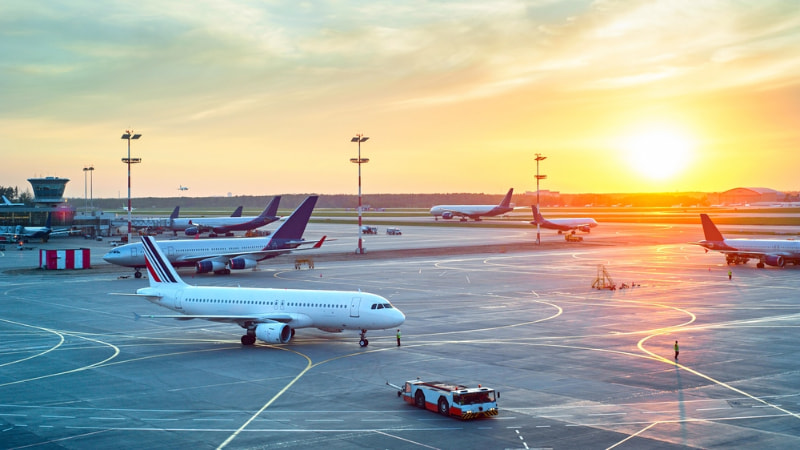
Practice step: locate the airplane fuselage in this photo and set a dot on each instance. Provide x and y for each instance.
(327, 310)
(186, 252)
(471, 211)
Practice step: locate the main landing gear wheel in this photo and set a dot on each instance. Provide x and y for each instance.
(248, 339)
(363, 342)
(137, 274)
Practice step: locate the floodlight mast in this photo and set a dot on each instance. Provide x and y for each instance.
(129, 134)
(359, 138)
(539, 157)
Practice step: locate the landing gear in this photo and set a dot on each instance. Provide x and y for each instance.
(222, 272)
(760, 265)
(363, 342)
(248, 339)
(137, 274)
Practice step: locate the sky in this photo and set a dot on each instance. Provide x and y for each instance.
(263, 97)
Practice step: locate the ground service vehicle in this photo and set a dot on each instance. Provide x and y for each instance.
(394, 231)
(366, 229)
(450, 399)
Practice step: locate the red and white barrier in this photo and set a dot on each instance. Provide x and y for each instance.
(73, 258)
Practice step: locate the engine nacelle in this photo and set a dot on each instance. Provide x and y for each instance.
(774, 260)
(242, 263)
(585, 229)
(447, 215)
(209, 266)
(191, 231)
(273, 333)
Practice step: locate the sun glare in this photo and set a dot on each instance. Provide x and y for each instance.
(658, 153)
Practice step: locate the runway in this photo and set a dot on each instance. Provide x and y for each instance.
(576, 367)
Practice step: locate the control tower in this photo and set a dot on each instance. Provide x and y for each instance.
(48, 191)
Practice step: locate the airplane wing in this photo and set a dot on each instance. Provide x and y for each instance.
(258, 318)
(255, 254)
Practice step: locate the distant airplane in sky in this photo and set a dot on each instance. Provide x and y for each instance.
(269, 315)
(223, 255)
(182, 188)
(474, 212)
(584, 224)
(772, 252)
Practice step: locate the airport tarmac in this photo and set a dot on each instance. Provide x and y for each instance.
(576, 367)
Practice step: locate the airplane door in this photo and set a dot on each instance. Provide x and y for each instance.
(355, 302)
(178, 298)
(170, 252)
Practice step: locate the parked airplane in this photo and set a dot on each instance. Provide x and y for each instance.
(20, 232)
(226, 225)
(8, 202)
(269, 315)
(223, 255)
(473, 211)
(773, 252)
(583, 223)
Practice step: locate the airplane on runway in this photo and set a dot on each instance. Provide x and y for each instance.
(8, 202)
(474, 212)
(584, 224)
(223, 255)
(772, 252)
(23, 233)
(227, 225)
(269, 315)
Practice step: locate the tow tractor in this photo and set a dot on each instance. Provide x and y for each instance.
(450, 399)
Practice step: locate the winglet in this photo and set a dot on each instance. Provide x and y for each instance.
(319, 244)
(506, 203)
(710, 230)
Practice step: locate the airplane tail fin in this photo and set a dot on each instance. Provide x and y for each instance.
(237, 212)
(159, 269)
(6, 201)
(710, 230)
(295, 225)
(272, 208)
(537, 215)
(507, 199)
(175, 213)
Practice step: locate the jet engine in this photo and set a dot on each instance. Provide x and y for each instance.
(243, 263)
(273, 333)
(191, 231)
(447, 215)
(210, 266)
(585, 229)
(774, 260)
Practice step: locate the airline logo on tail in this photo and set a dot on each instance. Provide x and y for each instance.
(158, 267)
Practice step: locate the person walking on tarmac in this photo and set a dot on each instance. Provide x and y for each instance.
(676, 350)
(398, 337)
(730, 274)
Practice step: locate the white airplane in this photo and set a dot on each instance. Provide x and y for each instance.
(182, 188)
(223, 255)
(20, 232)
(578, 223)
(192, 226)
(8, 202)
(772, 252)
(474, 212)
(269, 315)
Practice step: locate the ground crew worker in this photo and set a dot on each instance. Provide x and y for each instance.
(676, 350)
(398, 337)
(730, 274)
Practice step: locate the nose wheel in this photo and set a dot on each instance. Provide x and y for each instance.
(363, 342)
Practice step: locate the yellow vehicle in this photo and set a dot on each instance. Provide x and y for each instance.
(573, 238)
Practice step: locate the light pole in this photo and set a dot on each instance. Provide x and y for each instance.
(89, 169)
(539, 157)
(85, 196)
(128, 136)
(359, 138)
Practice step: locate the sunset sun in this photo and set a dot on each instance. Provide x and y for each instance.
(658, 154)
